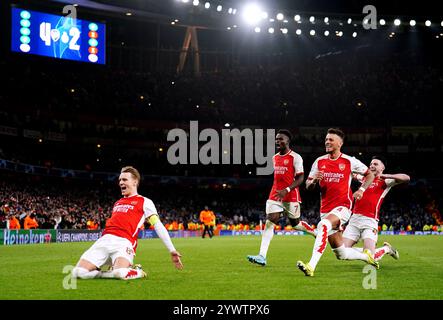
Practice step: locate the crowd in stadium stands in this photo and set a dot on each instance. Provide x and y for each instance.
(316, 92)
(39, 205)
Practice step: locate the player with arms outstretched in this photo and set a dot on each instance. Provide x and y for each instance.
(118, 243)
(285, 195)
(366, 212)
(333, 173)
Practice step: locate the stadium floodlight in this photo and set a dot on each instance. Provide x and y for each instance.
(229, 28)
(230, 11)
(312, 19)
(397, 22)
(264, 15)
(234, 11)
(326, 20)
(227, 125)
(326, 33)
(257, 29)
(207, 5)
(340, 33)
(428, 23)
(271, 30)
(312, 32)
(382, 22)
(412, 23)
(185, 1)
(219, 8)
(284, 30)
(196, 2)
(285, 21)
(252, 13)
(441, 23)
(354, 34)
(349, 21)
(297, 18)
(280, 16)
(298, 32)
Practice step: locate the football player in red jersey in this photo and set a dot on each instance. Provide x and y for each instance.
(333, 173)
(118, 243)
(284, 197)
(366, 212)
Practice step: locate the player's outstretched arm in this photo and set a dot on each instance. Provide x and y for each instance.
(164, 236)
(398, 177)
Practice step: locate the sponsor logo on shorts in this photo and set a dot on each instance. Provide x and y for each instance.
(129, 251)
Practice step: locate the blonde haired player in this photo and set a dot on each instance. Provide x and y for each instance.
(118, 243)
(366, 212)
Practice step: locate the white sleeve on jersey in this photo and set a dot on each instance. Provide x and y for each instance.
(148, 208)
(298, 164)
(358, 177)
(357, 166)
(390, 182)
(314, 169)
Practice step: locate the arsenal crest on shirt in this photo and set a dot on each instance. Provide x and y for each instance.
(342, 166)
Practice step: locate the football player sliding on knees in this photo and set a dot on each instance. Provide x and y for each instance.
(118, 244)
(333, 174)
(366, 212)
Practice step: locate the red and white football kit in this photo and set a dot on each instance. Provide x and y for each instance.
(364, 221)
(119, 239)
(335, 187)
(286, 168)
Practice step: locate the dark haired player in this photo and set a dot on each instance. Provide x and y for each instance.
(284, 196)
(333, 172)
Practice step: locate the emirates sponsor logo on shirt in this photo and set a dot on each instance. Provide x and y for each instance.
(280, 170)
(123, 208)
(333, 176)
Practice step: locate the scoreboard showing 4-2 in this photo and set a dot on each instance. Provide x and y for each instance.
(62, 37)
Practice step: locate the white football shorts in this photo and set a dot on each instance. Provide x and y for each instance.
(108, 248)
(342, 213)
(362, 227)
(292, 209)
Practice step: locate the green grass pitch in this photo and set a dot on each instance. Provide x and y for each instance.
(217, 269)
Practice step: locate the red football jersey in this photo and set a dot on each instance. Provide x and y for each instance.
(128, 215)
(335, 187)
(369, 205)
(286, 168)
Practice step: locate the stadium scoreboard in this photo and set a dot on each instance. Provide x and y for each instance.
(57, 36)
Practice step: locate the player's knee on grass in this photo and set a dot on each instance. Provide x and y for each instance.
(340, 253)
(294, 222)
(273, 217)
(82, 273)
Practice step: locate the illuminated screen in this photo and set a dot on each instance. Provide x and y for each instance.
(56, 36)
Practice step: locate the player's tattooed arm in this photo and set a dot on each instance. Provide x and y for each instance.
(398, 177)
(369, 178)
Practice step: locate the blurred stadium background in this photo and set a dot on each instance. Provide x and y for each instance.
(67, 127)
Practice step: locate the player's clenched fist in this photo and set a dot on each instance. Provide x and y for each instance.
(175, 257)
(318, 176)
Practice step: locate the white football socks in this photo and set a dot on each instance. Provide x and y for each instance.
(321, 241)
(266, 238)
(303, 226)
